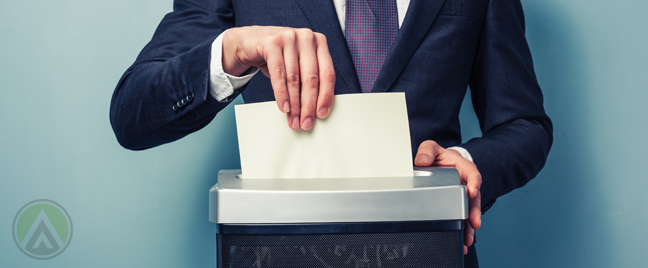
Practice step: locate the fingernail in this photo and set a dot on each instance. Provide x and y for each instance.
(286, 107)
(308, 123)
(295, 122)
(323, 112)
(423, 159)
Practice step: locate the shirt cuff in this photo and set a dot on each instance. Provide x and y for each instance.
(223, 86)
(463, 153)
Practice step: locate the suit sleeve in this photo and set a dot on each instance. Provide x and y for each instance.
(517, 133)
(172, 69)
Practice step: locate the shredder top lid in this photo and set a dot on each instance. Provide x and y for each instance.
(432, 193)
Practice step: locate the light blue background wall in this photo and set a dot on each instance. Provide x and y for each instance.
(60, 60)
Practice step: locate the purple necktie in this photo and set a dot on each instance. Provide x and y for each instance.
(371, 27)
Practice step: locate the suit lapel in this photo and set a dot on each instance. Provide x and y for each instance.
(419, 18)
(323, 19)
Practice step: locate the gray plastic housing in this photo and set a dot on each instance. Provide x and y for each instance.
(433, 193)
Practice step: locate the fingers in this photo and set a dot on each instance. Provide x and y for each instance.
(276, 68)
(309, 67)
(469, 237)
(317, 77)
(300, 68)
(427, 153)
(474, 211)
(473, 222)
(468, 172)
(430, 153)
(327, 77)
(291, 57)
(471, 177)
(473, 182)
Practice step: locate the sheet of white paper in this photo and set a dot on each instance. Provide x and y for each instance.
(365, 135)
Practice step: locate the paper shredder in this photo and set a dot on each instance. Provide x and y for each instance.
(414, 221)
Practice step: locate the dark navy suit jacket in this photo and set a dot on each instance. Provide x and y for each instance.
(442, 47)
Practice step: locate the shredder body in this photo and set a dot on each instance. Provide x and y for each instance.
(413, 221)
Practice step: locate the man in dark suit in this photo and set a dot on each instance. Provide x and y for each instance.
(190, 70)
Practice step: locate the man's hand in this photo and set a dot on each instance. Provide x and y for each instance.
(297, 61)
(430, 153)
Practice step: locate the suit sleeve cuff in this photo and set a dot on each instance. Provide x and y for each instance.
(463, 152)
(224, 87)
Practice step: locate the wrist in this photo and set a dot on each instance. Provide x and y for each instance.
(232, 63)
(463, 152)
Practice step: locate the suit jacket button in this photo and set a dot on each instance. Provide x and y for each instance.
(189, 96)
(184, 102)
(175, 107)
(179, 104)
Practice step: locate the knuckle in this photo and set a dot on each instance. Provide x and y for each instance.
(279, 71)
(311, 80)
(306, 35)
(281, 91)
(293, 79)
(320, 37)
(275, 40)
(296, 108)
(321, 40)
(429, 144)
(289, 35)
(305, 31)
(293, 114)
(308, 107)
(328, 75)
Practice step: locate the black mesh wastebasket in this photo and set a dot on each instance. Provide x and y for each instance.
(377, 249)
